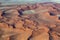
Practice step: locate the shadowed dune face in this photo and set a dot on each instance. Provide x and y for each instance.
(40, 21)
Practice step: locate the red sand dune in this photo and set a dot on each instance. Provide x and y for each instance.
(39, 21)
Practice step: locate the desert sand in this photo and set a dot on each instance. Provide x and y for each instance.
(40, 21)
